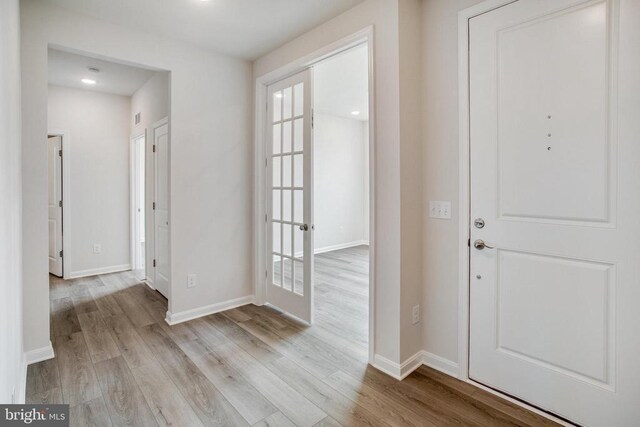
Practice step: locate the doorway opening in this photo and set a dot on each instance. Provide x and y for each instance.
(317, 198)
(341, 197)
(114, 112)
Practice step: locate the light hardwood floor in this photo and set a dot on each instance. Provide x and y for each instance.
(118, 363)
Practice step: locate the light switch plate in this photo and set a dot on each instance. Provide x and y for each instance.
(439, 209)
(191, 280)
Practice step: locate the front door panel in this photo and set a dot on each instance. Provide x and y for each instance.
(555, 177)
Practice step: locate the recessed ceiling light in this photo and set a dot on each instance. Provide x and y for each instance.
(355, 113)
(88, 81)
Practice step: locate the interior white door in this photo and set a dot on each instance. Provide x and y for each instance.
(555, 156)
(290, 196)
(55, 205)
(161, 209)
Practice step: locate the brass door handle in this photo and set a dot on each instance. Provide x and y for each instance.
(304, 227)
(480, 245)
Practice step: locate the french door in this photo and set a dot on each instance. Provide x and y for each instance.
(555, 201)
(290, 196)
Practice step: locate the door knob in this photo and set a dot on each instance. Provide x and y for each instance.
(480, 245)
(304, 227)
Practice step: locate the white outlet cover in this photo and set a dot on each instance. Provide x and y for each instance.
(191, 280)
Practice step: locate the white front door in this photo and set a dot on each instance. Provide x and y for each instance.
(290, 196)
(555, 177)
(161, 209)
(54, 150)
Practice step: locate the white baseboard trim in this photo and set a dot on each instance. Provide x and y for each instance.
(183, 316)
(440, 364)
(149, 283)
(96, 271)
(340, 246)
(39, 354)
(401, 371)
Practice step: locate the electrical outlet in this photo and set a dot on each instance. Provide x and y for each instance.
(439, 209)
(191, 280)
(415, 314)
(97, 248)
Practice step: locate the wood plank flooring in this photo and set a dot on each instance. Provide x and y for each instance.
(118, 363)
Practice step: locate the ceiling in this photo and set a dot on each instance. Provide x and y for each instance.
(244, 28)
(68, 69)
(341, 84)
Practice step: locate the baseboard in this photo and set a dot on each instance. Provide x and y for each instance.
(340, 246)
(39, 354)
(401, 371)
(149, 283)
(96, 271)
(440, 364)
(184, 316)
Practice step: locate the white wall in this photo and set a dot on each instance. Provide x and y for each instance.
(340, 193)
(12, 364)
(440, 174)
(153, 103)
(210, 149)
(97, 200)
(391, 313)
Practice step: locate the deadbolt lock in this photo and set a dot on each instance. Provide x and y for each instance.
(479, 223)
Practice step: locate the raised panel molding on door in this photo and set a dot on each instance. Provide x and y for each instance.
(554, 101)
(290, 196)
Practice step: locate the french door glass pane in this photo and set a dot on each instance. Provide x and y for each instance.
(286, 239)
(298, 206)
(276, 237)
(298, 278)
(288, 274)
(276, 205)
(298, 135)
(277, 270)
(298, 242)
(298, 101)
(287, 103)
(277, 106)
(276, 171)
(277, 142)
(286, 205)
(286, 171)
(298, 170)
(286, 137)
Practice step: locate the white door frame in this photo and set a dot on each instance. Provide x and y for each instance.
(259, 239)
(66, 195)
(465, 201)
(133, 228)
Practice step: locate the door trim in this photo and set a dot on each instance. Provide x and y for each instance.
(464, 200)
(133, 229)
(366, 35)
(66, 195)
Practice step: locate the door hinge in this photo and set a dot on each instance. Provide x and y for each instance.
(153, 206)
(60, 153)
(154, 148)
(312, 118)
(60, 203)
(154, 262)
(265, 217)
(469, 242)
(265, 162)
(61, 254)
(266, 274)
